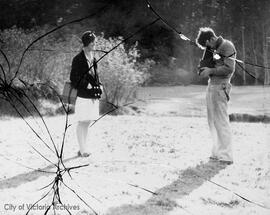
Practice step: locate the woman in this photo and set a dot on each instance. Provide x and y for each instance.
(84, 78)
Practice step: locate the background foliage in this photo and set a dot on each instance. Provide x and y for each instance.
(48, 63)
(245, 22)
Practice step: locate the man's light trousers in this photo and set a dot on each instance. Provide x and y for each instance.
(217, 97)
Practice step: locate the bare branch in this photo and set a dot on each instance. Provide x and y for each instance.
(38, 201)
(6, 60)
(81, 199)
(53, 30)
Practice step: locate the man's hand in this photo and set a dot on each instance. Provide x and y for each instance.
(206, 71)
(101, 87)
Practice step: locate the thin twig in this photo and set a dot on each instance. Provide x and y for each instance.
(73, 191)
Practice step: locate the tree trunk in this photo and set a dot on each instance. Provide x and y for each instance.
(243, 54)
(190, 59)
(265, 57)
(255, 58)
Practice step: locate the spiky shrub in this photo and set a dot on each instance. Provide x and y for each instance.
(120, 71)
(49, 61)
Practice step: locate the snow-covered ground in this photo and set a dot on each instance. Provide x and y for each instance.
(164, 150)
(167, 155)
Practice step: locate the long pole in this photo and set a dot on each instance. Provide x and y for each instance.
(244, 54)
(266, 71)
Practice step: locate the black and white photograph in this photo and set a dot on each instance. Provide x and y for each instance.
(146, 107)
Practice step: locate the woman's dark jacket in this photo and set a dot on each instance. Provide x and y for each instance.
(80, 77)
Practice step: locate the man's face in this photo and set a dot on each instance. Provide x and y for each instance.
(211, 43)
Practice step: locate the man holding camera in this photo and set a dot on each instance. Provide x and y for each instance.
(218, 92)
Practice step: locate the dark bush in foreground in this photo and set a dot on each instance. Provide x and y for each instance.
(238, 117)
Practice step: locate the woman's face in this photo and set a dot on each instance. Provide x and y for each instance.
(91, 46)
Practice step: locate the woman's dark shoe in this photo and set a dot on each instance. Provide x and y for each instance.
(85, 154)
(213, 158)
(226, 162)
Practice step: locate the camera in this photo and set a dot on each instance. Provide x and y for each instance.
(207, 60)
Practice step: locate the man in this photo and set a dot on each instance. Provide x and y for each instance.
(218, 92)
(86, 81)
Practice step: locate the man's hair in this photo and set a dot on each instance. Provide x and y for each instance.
(204, 34)
(87, 38)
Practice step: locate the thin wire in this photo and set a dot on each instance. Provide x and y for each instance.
(73, 191)
(8, 63)
(247, 71)
(27, 167)
(51, 31)
(183, 37)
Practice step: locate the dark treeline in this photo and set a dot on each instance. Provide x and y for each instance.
(245, 22)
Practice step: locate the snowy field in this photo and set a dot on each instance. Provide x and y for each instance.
(154, 162)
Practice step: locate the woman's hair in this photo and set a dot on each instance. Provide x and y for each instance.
(204, 35)
(87, 38)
